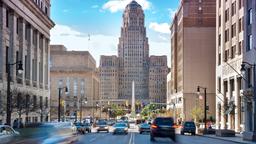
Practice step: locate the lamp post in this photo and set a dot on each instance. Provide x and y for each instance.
(243, 70)
(81, 107)
(205, 106)
(66, 90)
(9, 96)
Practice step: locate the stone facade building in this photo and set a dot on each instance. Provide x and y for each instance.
(230, 43)
(24, 36)
(109, 78)
(192, 56)
(158, 71)
(249, 56)
(133, 54)
(77, 71)
(134, 64)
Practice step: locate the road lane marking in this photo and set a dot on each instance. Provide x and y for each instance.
(131, 141)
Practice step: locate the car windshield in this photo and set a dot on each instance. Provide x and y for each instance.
(164, 121)
(120, 125)
(189, 124)
(102, 123)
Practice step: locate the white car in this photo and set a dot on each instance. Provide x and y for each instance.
(7, 133)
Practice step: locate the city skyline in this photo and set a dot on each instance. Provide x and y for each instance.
(72, 30)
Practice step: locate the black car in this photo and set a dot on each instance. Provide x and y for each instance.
(162, 127)
(88, 127)
(188, 127)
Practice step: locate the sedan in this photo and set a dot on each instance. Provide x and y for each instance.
(79, 127)
(120, 128)
(7, 133)
(144, 127)
(102, 126)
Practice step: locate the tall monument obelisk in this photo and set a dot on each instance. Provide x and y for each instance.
(133, 99)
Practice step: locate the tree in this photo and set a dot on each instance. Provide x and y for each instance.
(115, 111)
(197, 113)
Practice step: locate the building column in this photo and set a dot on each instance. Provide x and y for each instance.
(237, 104)
(223, 120)
(228, 98)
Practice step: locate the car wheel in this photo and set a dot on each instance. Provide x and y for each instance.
(107, 131)
(97, 131)
(83, 132)
(140, 132)
(152, 138)
(193, 133)
(182, 132)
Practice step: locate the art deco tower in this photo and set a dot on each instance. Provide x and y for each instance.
(133, 53)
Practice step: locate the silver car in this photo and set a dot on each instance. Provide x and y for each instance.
(7, 133)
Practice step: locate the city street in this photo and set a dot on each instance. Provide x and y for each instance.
(135, 138)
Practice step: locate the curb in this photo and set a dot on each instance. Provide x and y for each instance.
(223, 139)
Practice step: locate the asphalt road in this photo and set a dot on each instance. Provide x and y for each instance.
(133, 137)
(46, 136)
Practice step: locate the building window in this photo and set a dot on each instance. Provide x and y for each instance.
(68, 86)
(226, 35)
(7, 18)
(75, 87)
(249, 75)
(240, 46)
(219, 3)
(17, 25)
(240, 28)
(219, 85)
(250, 42)
(240, 4)
(219, 40)
(226, 15)
(233, 52)
(226, 56)
(219, 58)
(233, 30)
(233, 9)
(250, 16)
(219, 20)
(46, 10)
(46, 102)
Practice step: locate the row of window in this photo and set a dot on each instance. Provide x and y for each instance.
(240, 4)
(42, 5)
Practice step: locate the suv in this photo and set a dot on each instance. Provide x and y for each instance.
(162, 127)
(188, 127)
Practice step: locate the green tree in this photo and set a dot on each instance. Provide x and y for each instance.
(197, 113)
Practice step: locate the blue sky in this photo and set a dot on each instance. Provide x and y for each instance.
(102, 19)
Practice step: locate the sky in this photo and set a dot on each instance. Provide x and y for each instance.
(95, 25)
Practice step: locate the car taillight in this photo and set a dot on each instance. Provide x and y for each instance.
(153, 126)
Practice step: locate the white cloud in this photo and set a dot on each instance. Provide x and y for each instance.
(94, 6)
(99, 44)
(119, 5)
(160, 27)
(172, 12)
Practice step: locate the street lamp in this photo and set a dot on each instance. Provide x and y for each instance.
(81, 107)
(205, 106)
(243, 71)
(66, 90)
(9, 96)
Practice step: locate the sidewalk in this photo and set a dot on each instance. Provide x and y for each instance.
(237, 139)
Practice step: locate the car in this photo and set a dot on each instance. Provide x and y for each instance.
(111, 122)
(162, 127)
(7, 133)
(79, 127)
(88, 127)
(139, 121)
(188, 127)
(127, 123)
(144, 127)
(102, 126)
(120, 128)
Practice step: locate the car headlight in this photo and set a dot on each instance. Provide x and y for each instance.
(126, 129)
(106, 127)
